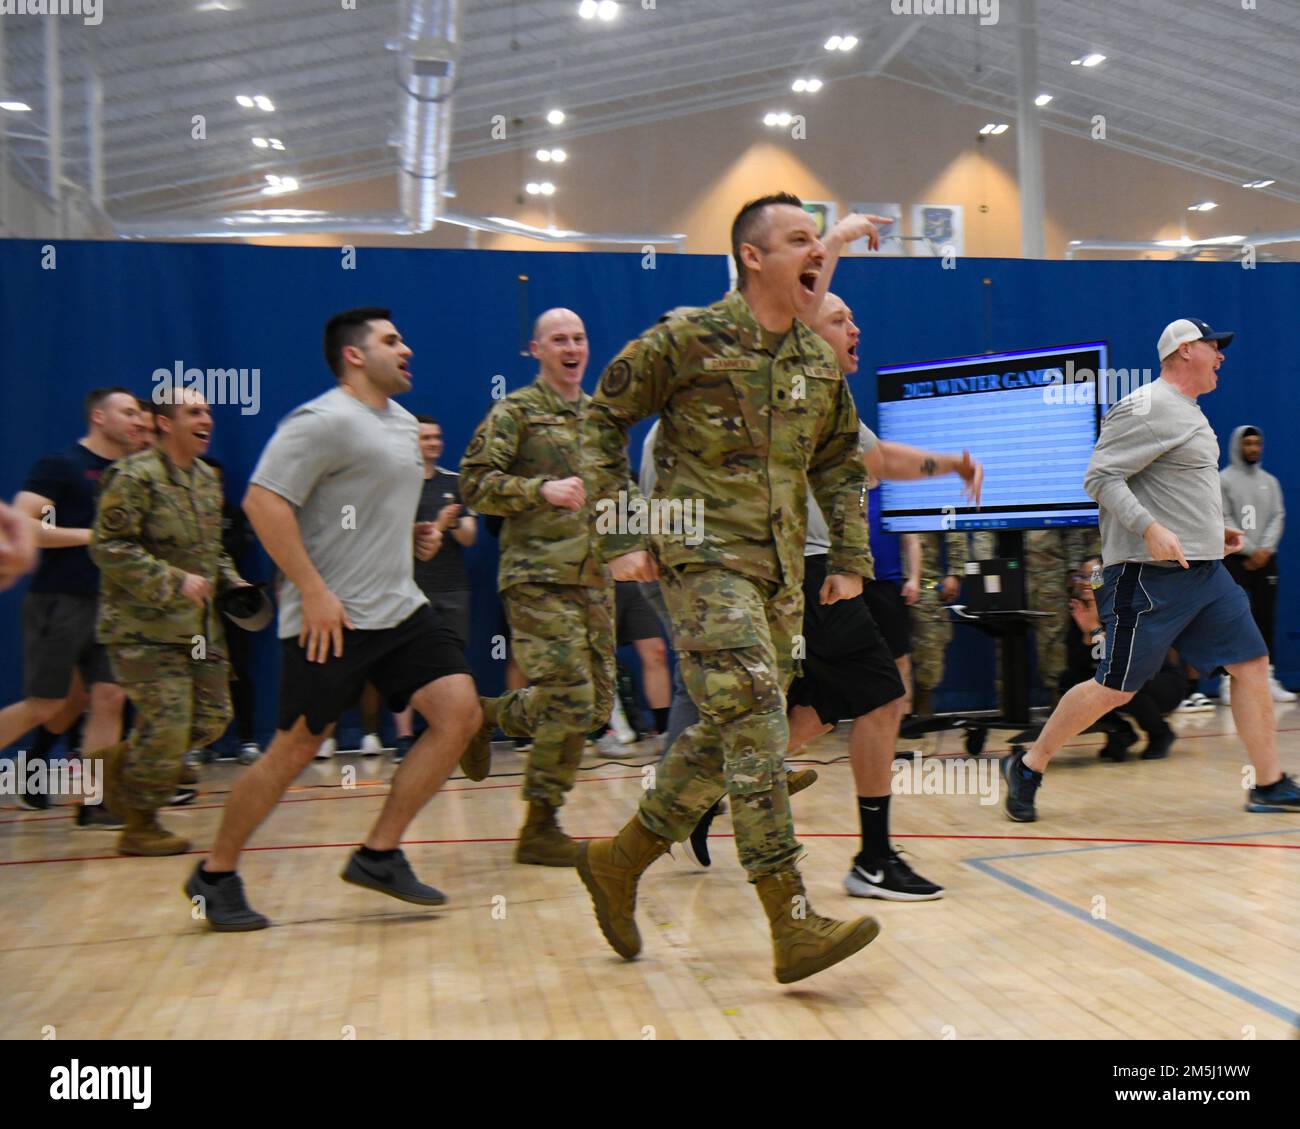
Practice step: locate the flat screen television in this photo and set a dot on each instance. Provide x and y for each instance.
(1029, 416)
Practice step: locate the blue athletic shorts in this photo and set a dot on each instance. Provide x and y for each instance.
(1145, 609)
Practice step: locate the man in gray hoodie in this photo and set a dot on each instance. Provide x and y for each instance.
(1252, 501)
(1155, 476)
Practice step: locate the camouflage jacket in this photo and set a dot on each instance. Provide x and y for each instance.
(744, 433)
(153, 524)
(531, 437)
(933, 570)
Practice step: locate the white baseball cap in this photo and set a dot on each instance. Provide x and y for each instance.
(1183, 330)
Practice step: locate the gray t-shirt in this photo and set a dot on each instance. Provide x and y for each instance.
(818, 540)
(354, 475)
(1157, 459)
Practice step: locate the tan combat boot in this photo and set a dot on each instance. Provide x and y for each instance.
(112, 760)
(797, 779)
(541, 841)
(803, 941)
(610, 868)
(144, 835)
(476, 760)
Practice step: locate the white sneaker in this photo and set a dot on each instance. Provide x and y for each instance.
(1195, 703)
(612, 746)
(327, 749)
(371, 745)
(618, 724)
(1280, 693)
(249, 752)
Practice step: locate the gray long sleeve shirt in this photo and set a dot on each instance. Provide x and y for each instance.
(1252, 500)
(1157, 459)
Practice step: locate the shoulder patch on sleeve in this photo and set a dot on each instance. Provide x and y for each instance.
(114, 520)
(617, 378)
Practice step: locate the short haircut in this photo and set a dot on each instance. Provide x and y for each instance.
(96, 396)
(349, 328)
(427, 419)
(750, 226)
(1251, 433)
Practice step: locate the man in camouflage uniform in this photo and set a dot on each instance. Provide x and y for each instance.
(931, 624)
(1051, 556)
(753, 410)
(524, 463)
(157, 543)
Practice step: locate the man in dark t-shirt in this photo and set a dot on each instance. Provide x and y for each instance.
(60, 606)
(443, 578)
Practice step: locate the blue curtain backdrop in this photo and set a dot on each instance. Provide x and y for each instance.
(113, 313)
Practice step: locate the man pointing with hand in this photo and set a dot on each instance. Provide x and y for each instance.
(1154, 474)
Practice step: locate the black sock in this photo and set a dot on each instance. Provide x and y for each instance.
(215, 875)
(377, 856)
(661, 718)
(873, 812)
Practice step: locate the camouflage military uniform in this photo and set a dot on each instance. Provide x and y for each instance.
(153, 524)
(748, 420)
(558, 597)
(931, 624)
(1051, 555)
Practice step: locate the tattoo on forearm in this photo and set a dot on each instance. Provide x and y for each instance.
(929, 466)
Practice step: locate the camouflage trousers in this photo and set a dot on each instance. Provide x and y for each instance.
(735, 639)
(931, 634)
(181, 703)
(562, 637)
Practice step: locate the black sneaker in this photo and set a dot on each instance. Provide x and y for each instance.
(401, 747)
(393, 877)
(696, 848)
(1022, 786)
(222, 904)
(1117, 745)
(96, 817)
(890, 878)
(35, 801)
(1282, 796)
(183, 796)
(1159, 745)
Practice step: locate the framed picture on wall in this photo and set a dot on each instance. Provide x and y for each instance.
(824, 213)
(940, 228)
(890, 234)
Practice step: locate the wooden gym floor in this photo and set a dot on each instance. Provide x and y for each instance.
(1145, 903)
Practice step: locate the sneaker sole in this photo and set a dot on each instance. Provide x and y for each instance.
(1281, 809)
(601, 905)
(856, 888)
(230, 927)
(380, 888)
(855, 942)
(689, 851)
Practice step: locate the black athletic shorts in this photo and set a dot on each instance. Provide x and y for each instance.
(398, 660)
(889, 610)
(58, 638)
(633, 616)
(847, 668)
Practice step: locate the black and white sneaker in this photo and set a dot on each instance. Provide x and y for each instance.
(34, 801)
(183, 796)
(696, 848)
(222, 904)
(1022, 786)
(1284, 795)
(392, 876)
(889, 878)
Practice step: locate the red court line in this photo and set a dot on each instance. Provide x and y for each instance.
(808, 835)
